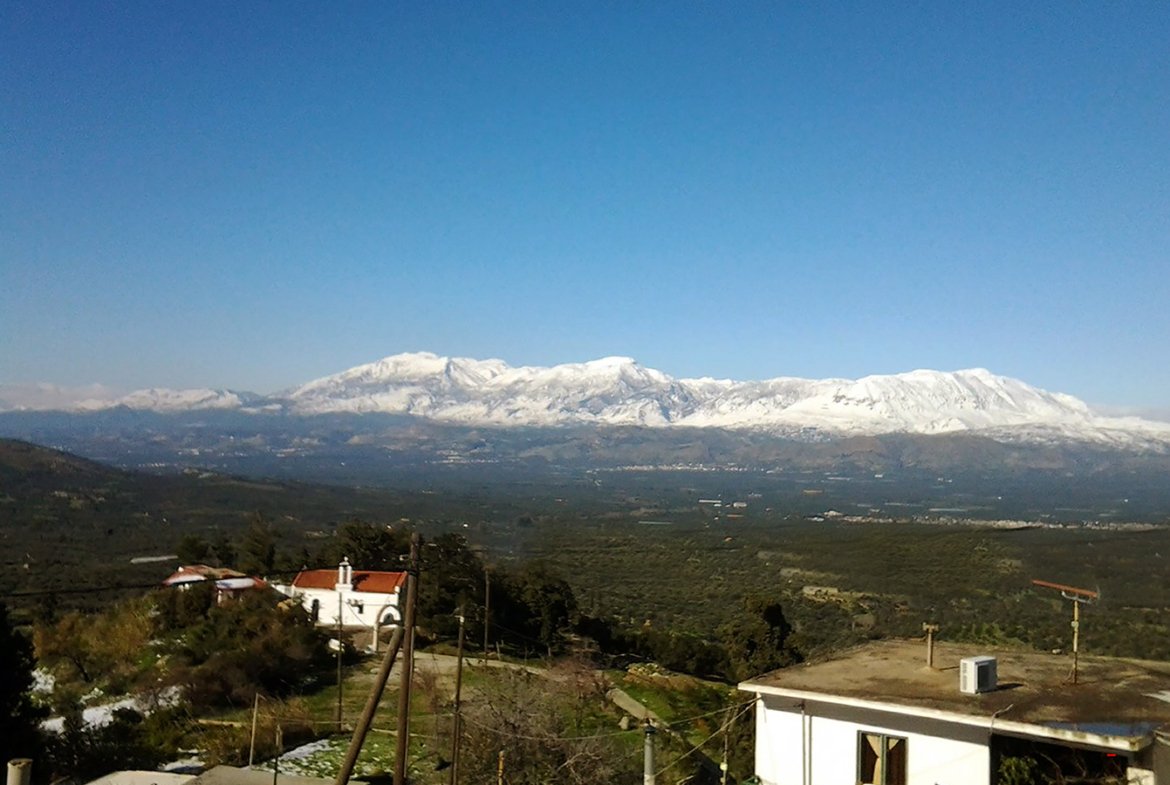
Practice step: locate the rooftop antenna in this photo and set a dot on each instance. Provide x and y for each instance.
(1078, 597)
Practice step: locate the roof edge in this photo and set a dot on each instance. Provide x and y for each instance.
(988, 721)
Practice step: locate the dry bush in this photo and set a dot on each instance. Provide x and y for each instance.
(538, 722)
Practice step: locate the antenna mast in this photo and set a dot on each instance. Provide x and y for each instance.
(1078, 597)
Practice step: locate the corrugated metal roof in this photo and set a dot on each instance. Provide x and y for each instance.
(192, 573)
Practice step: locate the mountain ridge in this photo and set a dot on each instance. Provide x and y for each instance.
(617, 390)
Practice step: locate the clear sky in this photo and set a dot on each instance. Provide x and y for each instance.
(253, 195)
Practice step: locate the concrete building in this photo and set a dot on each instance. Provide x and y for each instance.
(878, 715)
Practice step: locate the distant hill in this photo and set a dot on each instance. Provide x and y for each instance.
(68, 522)
(27, 462)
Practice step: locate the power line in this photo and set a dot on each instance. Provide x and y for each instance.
(514, 735)
(722, 729)
(743, 708)
(111, 587)
(83, 590)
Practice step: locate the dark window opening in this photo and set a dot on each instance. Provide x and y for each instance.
(881, 759)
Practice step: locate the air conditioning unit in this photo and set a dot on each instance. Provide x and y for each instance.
(977, 674)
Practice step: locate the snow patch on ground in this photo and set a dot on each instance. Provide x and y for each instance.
(43, 682)
(97, 716)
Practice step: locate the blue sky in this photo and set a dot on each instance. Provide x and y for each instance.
(252, 195)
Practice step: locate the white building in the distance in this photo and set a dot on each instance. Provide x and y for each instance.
(361, 598)
(877, 715)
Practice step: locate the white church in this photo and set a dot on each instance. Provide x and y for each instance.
(361, 599)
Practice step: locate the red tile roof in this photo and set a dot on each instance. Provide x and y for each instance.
(363, 580)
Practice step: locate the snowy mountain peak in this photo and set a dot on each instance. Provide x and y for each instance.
(159, 399)
(618, 391)
(616, 362)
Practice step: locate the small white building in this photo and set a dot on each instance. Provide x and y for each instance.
(878, 715)
(362, 598)
(228, 583)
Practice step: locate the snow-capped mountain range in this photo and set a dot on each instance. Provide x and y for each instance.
(617, 391)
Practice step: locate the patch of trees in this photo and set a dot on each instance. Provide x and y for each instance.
(109, 650)
(758, 638)
(129, 740)
(217, 654)
(224, 653)
(531, 608)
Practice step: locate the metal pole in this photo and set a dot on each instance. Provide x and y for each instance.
(648, 777)
(339, 648)
(367, 718)
(252, 743)
(726, 746)
(458, 719)
(403, 728)
(20, 771)
(1076, 627)
(279, 752)
(487, 610)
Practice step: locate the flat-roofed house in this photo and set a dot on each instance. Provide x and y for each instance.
(879, 715)
(361, 598)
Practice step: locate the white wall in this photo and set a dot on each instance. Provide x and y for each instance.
(830, 747)
(358, 609)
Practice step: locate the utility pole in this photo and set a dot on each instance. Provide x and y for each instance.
(20, 771)
(648, 777)
(457, 721)
(339, 648)
(500, 769)
(487, 609)
(279, 751)
(728, 718)
(930, 630)
(252, 743)
(1076, 628)
(403, 728)
(1079, 597)
(367, 719)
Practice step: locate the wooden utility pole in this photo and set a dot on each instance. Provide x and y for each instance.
(367, 718)
(457, 720)
(500, 769)
(252, 743)
(930, 630)
(403, 728)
